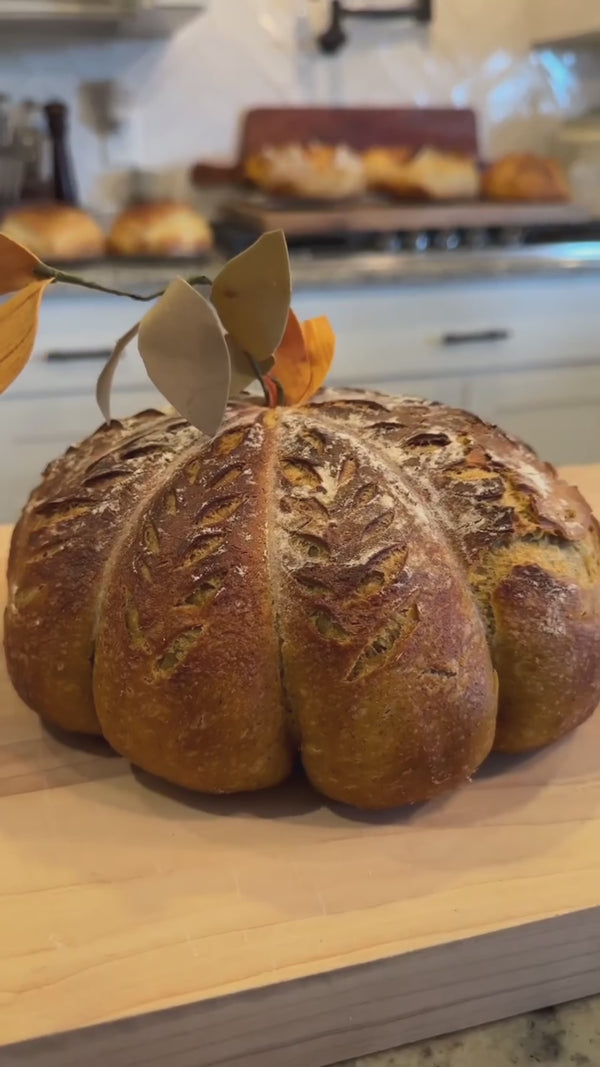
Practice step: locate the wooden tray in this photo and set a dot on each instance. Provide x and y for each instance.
(359, 127)
(377, 216)
(453, 129)
(142, 927)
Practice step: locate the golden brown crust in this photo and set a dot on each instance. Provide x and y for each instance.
(550, 683)
(385, 661)
(59, 551)
(525, 176)
(503, 509)
(161, 228)
(311, 171)
(186, 629)
(55, 232)
(428, 174)
(344, 578)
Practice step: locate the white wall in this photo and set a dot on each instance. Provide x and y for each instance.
(185, 96)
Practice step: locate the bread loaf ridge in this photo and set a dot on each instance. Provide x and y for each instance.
(388, 586)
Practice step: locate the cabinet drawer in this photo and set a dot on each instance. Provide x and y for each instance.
(32, 432)
(81, 324)
(459, 327)
(71, 377)
(447, 390)
(557, 411)
(63, 420)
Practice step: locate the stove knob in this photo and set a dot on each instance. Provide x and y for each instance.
(418, 241)
(477, 238)
(512, 236)
(389, 242)
(447, 240)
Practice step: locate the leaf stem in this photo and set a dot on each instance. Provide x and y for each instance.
(280, 392)
(259, 374)
(199, 279)
(44, 271)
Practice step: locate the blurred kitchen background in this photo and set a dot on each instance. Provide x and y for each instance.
(484, 298)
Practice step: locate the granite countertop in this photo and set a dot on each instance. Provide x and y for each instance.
(364, 268)
(566, 1036)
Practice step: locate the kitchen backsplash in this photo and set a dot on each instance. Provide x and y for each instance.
(181, 99)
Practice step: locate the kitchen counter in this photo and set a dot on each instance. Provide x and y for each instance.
(369, 268)
(566, 1035)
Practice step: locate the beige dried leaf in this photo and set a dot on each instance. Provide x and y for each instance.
(252, 295)
(105, 380)
(242, 373)
(182, 345)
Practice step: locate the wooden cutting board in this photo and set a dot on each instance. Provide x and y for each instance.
(378, 216)
(143, 926)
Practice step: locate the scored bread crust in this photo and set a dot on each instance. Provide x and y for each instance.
(310, 171)
(160, 228)
(55, 231)
(346, 580)
(523, 176)
(427, 174)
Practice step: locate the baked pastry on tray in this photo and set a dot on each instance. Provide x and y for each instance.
(55, 232)
(427, 174)
(526, 177)
(310, 171)
(160, 228)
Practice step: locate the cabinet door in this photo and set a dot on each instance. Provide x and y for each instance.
(34, 431)
(556, 411)
(451, 391)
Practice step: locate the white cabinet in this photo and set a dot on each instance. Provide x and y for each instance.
(458, 327)
(561, 20)
(33, 430)
(556, 410)
(521, 351)
(453, 391)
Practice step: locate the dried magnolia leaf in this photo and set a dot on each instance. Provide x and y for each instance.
(304, 357)
(252, 295)
(242, 372)
(18, 328)
(105, 380)
(182, 345)
(17, 265)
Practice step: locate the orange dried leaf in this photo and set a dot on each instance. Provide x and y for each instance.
(320, 344)
(17, 265)
(18, 328)
(304, 357)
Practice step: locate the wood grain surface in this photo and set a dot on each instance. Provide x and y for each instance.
(451, 128)
(140, 925)
(378, 216)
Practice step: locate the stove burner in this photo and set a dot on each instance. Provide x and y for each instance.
(233, 237)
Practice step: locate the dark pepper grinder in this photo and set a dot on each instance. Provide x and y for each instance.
(63, 178)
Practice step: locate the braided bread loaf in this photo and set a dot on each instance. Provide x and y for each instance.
(348, 580)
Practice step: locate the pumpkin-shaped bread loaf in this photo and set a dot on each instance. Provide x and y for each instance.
(386, 586)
